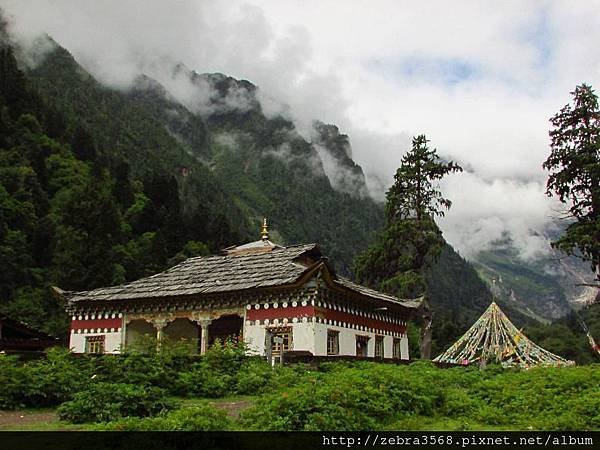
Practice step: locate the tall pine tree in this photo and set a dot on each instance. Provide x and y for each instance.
(574, 166)
(411, 241)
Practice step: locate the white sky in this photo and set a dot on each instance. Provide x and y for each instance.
(480, 79)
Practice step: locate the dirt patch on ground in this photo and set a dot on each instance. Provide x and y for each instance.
(232, 408)
(10, 419)
(17, 420)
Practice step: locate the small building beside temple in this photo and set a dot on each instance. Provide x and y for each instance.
(21, 338)
(277, 299)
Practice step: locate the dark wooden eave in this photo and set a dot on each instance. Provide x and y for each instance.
(17, 336)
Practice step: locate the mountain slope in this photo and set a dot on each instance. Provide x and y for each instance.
(545, 287)
(566, 337)
(266, 165)
(126, 130)
(182, 179)
(262, 164)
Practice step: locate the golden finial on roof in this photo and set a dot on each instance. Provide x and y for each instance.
(265, 230)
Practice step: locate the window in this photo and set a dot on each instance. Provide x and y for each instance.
(333, 342)
(281, 340)
(362, 345)
(94, 344)
(396, 349)
(378, 346)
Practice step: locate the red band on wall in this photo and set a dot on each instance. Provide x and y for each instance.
(95, 323)
(280, 313)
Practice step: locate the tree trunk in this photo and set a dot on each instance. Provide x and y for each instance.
(426, 330)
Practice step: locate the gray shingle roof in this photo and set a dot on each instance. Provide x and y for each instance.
(412, 303)
(245, 267)
(210, 274)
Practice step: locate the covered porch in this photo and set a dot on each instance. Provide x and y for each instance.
(200, 332)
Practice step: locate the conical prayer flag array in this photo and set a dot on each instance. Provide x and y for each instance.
(493, 338)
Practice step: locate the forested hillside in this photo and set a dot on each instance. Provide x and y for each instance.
(114, 185)
(566, 336)
(262, 164)
(102, 186)
(74, 214)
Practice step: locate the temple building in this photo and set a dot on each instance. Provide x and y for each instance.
(277, 299)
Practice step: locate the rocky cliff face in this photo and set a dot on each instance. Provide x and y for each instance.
(335, 152)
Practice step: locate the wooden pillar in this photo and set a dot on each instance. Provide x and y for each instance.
(123, 333)
(269, 346)
(204, 324)
(160, 325)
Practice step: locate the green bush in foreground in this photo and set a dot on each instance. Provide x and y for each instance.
(44, 382)
(257, 377)
(105, 402)
(340, 396)
(348, 397)
(204, 381)
(203, 417)
(11, 382)
(363, 396)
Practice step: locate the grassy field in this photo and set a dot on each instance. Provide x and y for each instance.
(46, 419)
(226, 390)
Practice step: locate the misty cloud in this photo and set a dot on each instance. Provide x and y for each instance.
(341, 178)
(480, 80)
(285, 154)
(520, 212)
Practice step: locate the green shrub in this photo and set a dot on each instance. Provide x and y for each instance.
(105, 402)
(54, 379)
(331, 417)
(203, 417)
(144, 365)
(303, 409)
(13, 379)
(557, 398)
(254, 377)
(565, 421)
(364, 395)
(490, 415)
(343, 395)
(348, 397)
(458, 402)
(226, 357)
(44, 382)
(215, 374)
(203, 381)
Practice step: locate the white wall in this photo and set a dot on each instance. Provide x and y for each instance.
(254, 337)
(370, 344)
(404, 347)
(112, 343)
(309, 336)
(388, 343)
(303, 337)
(347, 338)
